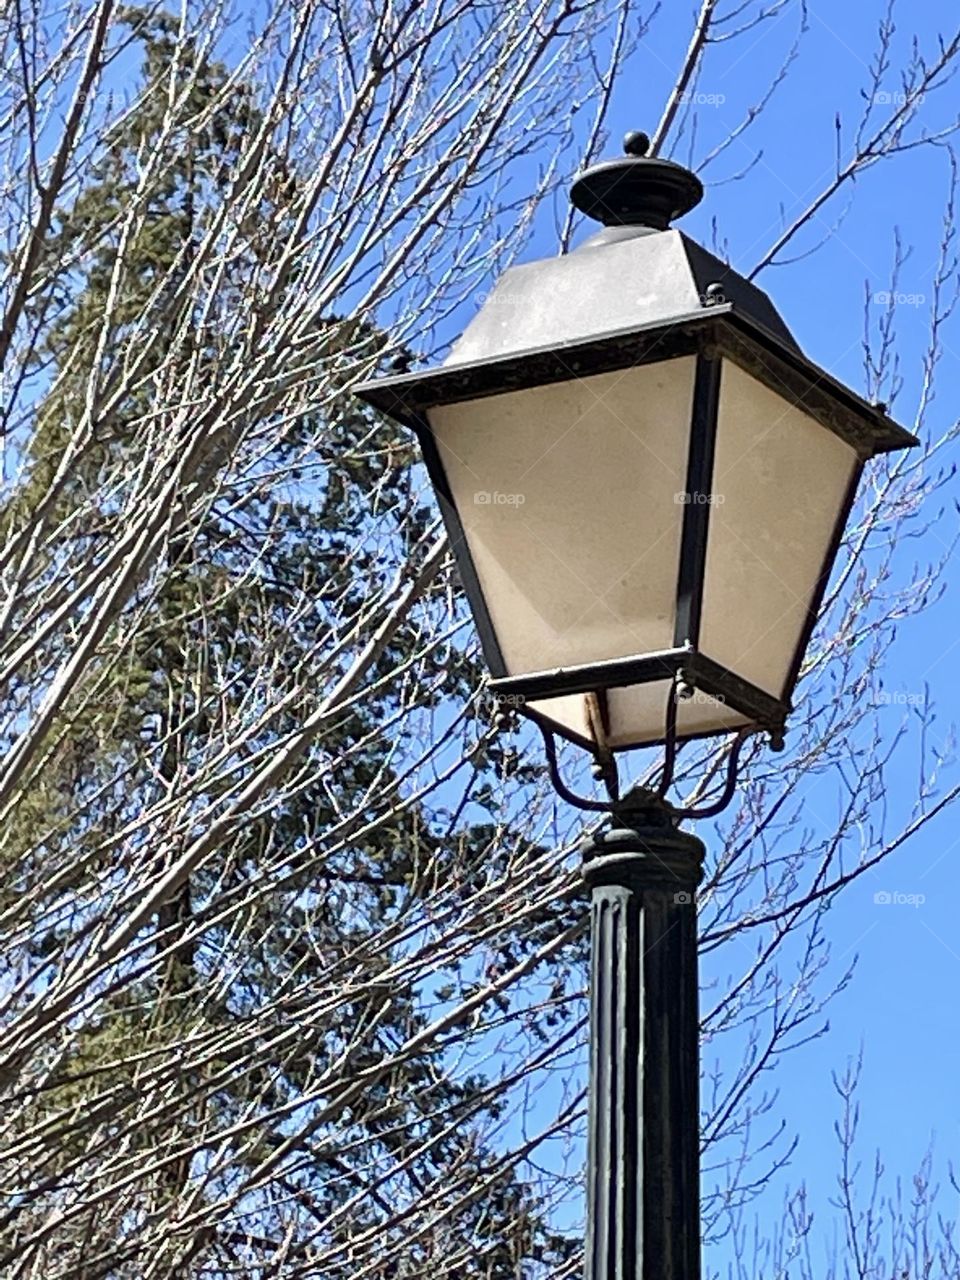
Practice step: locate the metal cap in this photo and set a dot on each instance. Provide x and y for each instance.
(637, 191)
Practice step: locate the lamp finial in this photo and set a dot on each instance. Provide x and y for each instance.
(638, 190)
(636, 143)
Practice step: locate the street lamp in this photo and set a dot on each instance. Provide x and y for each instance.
(645, 483)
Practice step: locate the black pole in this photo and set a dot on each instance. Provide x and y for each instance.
(643, 1194)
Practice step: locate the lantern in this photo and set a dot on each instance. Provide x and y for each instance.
(644, 480)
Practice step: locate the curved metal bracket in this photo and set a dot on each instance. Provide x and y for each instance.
(669, 741)
(561, 788)
(729, 787)
(607, 771)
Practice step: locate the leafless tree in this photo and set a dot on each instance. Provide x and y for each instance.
(292, 940)
(873, 1221)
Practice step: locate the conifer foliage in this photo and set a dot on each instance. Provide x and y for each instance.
(255, 878)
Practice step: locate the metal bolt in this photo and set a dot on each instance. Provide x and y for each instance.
(713, 295)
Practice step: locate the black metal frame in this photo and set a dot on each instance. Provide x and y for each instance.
(699, 672)
(489, 640)
(866, 427)
(715, 333)
(696, 516)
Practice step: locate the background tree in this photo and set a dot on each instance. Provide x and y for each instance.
(291, 937)
(878, 1221)
(266, 567)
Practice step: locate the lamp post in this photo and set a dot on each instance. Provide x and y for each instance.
(645, 483)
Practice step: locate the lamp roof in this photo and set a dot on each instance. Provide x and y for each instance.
(622, 277)
(636, 291)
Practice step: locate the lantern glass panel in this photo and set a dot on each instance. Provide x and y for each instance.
(637, 715)
(569, 499)
(779, 484)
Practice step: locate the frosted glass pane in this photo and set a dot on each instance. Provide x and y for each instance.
(637, 715)
(568, 714)
(779, 484)
(567, 494)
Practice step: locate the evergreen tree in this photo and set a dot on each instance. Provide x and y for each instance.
(270, 570)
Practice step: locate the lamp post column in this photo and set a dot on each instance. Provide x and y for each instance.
(643, 1195)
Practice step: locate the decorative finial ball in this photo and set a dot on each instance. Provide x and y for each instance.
(636, 143)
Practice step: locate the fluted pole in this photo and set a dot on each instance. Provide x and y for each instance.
(643, 1194)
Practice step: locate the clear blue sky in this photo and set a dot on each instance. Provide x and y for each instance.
(902, 1005)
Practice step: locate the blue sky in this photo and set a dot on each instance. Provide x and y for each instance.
(901, 1006)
